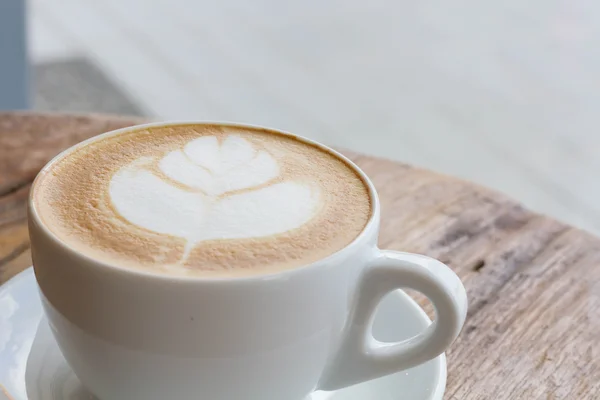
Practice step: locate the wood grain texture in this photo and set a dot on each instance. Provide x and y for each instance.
(533, 326)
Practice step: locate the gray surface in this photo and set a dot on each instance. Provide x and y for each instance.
(77, 85)
(14, 68)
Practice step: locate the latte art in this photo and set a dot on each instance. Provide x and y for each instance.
(217, 168)
(228, 192)
(202, 199)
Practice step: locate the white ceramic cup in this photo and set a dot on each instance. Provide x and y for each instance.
(136, 335)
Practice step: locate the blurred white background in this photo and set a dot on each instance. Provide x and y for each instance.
(504, 93)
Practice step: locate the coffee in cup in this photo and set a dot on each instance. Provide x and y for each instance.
(203, 200)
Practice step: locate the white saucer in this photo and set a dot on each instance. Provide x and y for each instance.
(32, 367)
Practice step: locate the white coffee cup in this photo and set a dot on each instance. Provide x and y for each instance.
(135, 335)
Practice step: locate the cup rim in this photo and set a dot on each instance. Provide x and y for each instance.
(372, 222)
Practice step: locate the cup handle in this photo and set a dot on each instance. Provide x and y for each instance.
(361, 357)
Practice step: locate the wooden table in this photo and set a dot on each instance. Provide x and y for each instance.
(533, 328)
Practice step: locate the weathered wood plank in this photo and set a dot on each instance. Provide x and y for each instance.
(533, 283)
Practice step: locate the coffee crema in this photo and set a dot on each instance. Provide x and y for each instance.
(204, 200)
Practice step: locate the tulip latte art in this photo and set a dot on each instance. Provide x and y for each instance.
(202, 200)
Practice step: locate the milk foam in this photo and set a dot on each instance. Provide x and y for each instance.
(202, 199)
(221, 190)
